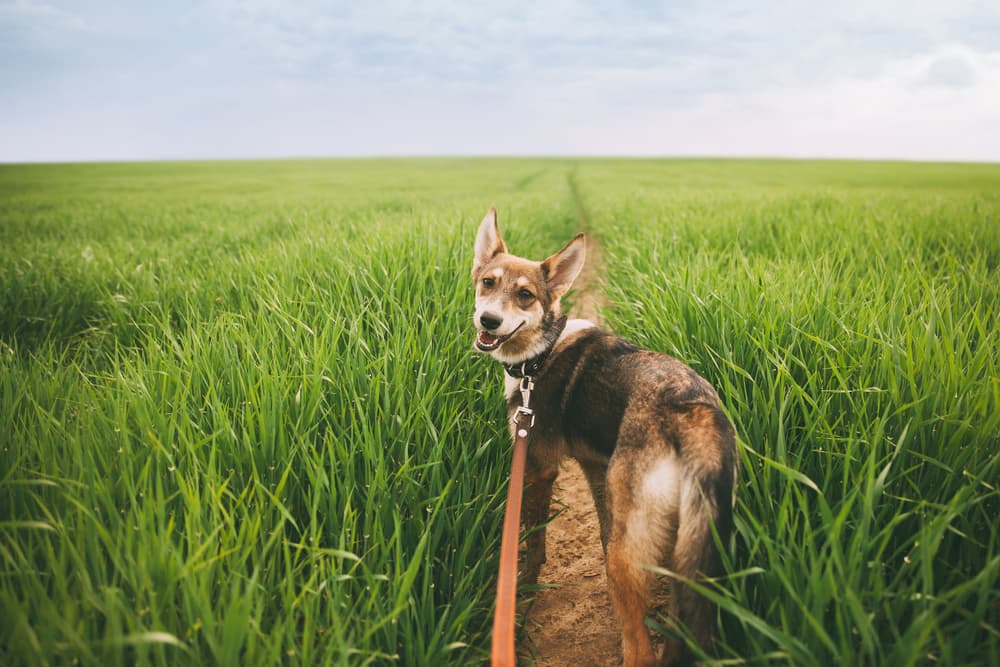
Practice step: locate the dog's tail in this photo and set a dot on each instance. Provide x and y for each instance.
(706, 505)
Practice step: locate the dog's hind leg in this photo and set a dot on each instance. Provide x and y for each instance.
(596, 474)
(640, 512)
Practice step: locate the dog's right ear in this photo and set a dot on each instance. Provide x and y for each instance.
(488, 241)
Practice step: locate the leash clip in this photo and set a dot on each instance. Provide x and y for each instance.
(527, 412)
(527, 384)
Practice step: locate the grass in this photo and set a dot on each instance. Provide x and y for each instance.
(850, 326)
(241, 421)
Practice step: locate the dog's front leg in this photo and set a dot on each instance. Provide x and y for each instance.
(538, 482)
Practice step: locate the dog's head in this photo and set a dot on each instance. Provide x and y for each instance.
(517, 300)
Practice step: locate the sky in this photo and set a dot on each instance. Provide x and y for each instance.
(96, 80)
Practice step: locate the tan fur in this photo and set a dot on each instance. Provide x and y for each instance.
(649, 433)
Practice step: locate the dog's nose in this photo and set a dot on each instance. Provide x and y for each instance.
(490, 321)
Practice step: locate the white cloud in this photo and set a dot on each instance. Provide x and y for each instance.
(957, 69)
(897, 111)
(262, 77)
(33, 15)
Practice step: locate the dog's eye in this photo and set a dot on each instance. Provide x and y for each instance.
(526, 295)
(488, 282)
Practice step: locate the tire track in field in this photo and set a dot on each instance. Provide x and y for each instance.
(571, 623)
(589, 286)
(525, 181)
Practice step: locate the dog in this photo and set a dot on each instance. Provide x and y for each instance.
(649, 433)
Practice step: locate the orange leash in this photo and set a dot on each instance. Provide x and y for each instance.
(503, 620)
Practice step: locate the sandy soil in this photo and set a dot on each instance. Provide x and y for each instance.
(572, 624)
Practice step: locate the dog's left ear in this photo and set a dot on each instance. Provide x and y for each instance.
(488, 241)
(562, 268)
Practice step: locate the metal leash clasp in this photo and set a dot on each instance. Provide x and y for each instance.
(527, 384)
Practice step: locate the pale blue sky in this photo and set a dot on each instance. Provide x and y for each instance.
(99, 80)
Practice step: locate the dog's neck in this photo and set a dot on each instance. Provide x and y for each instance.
(554, 326)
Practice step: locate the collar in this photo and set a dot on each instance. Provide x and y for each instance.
(530, 367)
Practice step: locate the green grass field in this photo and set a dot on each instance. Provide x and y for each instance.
(241, 421)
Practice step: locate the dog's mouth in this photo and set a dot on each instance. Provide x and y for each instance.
(488, 342)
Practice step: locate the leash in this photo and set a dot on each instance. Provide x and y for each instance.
(503, 654)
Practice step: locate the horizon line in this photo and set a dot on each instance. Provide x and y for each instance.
(496, 156)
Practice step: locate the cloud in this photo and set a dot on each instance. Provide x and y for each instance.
(952, 70)
(898, 110)
(38, 17)
(262, 77)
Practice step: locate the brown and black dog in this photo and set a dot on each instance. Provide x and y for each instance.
(649, 433)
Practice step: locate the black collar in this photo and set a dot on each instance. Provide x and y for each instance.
(530, 367)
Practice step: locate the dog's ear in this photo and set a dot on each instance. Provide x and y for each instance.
(488, 241)
(562, 268)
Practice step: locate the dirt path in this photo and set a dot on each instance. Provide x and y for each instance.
(572, 624)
